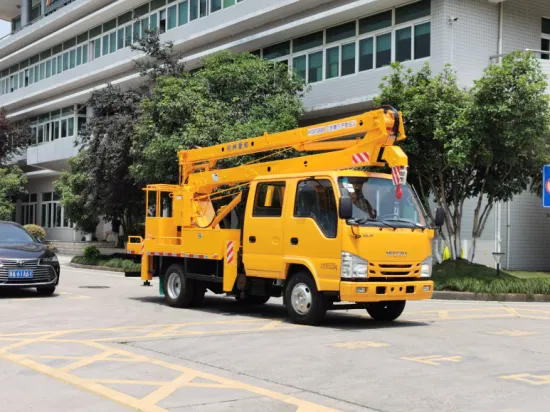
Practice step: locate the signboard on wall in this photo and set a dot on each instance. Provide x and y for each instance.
(546, 186)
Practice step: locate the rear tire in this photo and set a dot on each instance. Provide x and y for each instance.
(198, 297)
(386, 311)
(179, 291)
(253, 300)
(305, 304)
(45, 290)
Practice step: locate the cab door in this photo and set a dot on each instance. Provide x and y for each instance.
(311, 231)
(263, 230)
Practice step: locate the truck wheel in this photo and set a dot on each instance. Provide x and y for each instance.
(386, 311)
(178, 290)
(198, 297)
(305, 305)
(253, 300)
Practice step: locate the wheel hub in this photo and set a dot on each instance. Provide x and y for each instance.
(173, 285)
(301, 298)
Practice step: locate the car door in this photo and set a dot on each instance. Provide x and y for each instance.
(263, 230)
(311, 230)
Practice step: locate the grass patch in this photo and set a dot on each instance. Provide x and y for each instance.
(110, 261)
(462, 276)
(529, 275)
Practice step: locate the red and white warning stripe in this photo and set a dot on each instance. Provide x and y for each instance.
(363, 157)
(230, 252)
(399, 174)
(187, 255)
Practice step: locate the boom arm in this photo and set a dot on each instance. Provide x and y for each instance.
(363, 140)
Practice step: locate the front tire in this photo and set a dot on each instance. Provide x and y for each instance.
(386, 311)
(179, 291)
(45, 290)
(305, 304)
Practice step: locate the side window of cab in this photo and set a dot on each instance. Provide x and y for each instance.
(315, 200)
(269, 199)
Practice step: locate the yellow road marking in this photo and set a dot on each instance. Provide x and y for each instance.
(87, 361)
(530, 379)
(512, 311)
(513, 333)
(359, 345)
(435, 359)
(116, 354)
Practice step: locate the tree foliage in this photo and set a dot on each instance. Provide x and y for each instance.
(487, 143)
(439, 150)
(13, 138)
(233, 96)
(99, 183)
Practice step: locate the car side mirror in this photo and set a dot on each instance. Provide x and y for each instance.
(439, 217)
(345, 207)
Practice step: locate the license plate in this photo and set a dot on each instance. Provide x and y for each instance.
(20, 274)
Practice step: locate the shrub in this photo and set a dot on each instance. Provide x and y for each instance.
(37, 231)
(91, 253)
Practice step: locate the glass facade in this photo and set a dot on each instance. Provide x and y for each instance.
(401, 34)
(107, 38)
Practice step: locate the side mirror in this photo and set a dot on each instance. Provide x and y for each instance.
(345, 208)
(439, 217)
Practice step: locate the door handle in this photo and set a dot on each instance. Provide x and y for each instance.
(294, 241)
(252, 239)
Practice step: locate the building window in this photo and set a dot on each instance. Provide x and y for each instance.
(57, 124)
(28, 209)
(372, 42)
(545, 41)
(53, 213)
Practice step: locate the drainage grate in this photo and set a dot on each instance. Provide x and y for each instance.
(94, 287)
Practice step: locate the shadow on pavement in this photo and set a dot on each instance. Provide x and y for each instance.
(17, 293)
(226, 306)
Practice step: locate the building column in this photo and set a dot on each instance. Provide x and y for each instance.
(26, 7)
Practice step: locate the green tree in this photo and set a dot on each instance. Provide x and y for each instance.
(13, 138)
(99, 182)
(509, 119)
(233, 96)
(438, 148)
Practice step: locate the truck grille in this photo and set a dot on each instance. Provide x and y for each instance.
(41, 274)
(401, 269)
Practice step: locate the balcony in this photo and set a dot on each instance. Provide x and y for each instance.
(44, 25)
(52, 155)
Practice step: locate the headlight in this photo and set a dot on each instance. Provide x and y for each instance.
(426, 268)
(49, 260)
(353, 267)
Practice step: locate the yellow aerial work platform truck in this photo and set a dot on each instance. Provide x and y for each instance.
(312, 229)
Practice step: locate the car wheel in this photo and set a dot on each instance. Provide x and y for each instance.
(386, 311)
(178, 290)
(45, 290)
(305, 304)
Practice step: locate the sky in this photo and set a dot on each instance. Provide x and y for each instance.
(4, 28)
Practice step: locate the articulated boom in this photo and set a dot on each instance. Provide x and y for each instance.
(363, 140)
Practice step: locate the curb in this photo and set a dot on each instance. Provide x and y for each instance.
(506, 297)
(102, 268)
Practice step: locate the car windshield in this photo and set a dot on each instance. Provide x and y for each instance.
(14, 234)
(375, 202)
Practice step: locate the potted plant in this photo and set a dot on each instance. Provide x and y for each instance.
(88, 226)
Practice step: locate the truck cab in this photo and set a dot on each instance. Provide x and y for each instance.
(376, 253)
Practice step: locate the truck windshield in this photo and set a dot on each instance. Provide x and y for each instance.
(375, 203)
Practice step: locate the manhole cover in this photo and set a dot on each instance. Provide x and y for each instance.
(94, 287)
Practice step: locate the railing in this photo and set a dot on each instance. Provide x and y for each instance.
(541, 54)
(48, 12)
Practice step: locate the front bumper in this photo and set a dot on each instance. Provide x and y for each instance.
(44, 275)
(384, 291)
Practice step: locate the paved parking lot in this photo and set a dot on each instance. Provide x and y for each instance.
(105, 343)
